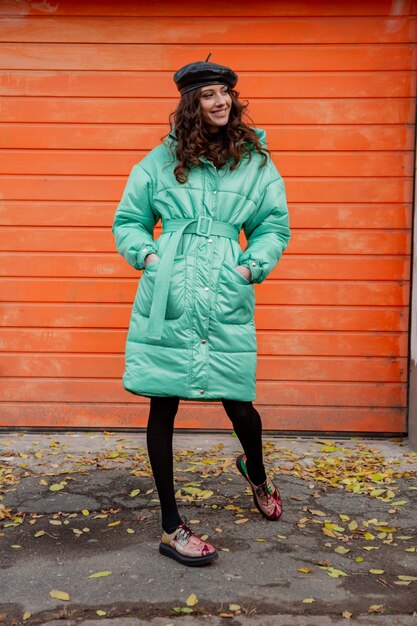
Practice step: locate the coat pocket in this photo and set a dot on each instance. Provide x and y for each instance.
(176, 293)
(235, 303)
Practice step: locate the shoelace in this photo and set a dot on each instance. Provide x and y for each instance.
(265, 490)
(185, 530)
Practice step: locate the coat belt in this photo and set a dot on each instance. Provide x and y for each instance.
(204, 227)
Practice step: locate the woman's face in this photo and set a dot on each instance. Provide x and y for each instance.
(215, 102)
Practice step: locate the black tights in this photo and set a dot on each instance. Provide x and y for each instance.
(159, 437)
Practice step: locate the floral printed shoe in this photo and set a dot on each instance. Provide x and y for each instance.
(266, 496)
(185, 546)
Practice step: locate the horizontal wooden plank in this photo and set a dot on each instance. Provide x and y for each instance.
(207, 29)
(332, 344)
(342, 267)
(303, 241)
(118, 163)
(299, 292)
(318, 137)
(303, 215)
(296, 393)
(125, 110)
(201, 415)
(291, 266)
(334, 293)
(131, 8)
(317, 57)
(333, 215)
(365, 369)
(69, 315)
(269, 343)
(251, 84)
(303, 189)
(349, 242)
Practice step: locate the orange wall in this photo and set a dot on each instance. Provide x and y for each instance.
(86, 90)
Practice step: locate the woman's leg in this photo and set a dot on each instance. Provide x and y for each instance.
(247, 424)
(159, 437)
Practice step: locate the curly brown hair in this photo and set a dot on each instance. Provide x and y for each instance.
(233, 141)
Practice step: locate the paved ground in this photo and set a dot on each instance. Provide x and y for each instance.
(79, 515)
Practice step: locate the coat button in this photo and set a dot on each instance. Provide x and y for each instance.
(203, 341)
(210, 240)
(201, 391)
(206, 288)
(253, 264)
(214, 191)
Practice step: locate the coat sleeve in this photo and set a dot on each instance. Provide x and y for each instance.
(135, 219)
(267, 231)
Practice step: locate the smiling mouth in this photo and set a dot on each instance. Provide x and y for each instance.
(220, 112)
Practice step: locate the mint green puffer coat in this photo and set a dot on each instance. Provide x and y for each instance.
(192, 331)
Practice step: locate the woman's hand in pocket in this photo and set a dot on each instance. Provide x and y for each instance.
(149, 258)
(245, 271)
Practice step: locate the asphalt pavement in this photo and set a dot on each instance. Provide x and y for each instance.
(80, 529)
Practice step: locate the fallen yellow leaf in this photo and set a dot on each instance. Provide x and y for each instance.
(334, 573)
(100, 574)
(369, 536)
(192, 600)
(57, 486)
(59, 595)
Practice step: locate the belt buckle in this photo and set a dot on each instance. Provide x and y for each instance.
(200, 229)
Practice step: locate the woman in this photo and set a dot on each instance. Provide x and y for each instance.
(192, 333)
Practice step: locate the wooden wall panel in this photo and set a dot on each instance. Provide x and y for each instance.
(86, 91)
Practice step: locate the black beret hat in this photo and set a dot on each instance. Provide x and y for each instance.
(201, 73)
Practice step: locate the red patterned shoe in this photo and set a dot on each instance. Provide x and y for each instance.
(266, 496)
(185, 546)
